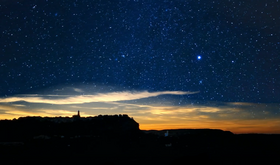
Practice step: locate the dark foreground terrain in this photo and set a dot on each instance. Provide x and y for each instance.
(120, 141)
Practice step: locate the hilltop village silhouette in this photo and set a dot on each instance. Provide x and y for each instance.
(117, 139)
(30, 126)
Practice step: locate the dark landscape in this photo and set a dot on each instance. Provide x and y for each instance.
(117, 139)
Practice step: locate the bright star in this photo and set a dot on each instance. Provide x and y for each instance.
(198, 57)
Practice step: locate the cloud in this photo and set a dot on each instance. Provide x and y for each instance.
(60, 112)
(100, 97)
(151, 110)
(11, 111)
(18, 105)
(78, 90)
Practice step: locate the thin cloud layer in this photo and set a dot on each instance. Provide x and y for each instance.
(150, 111)
(101, 97)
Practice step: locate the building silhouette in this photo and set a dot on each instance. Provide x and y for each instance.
(77, 116)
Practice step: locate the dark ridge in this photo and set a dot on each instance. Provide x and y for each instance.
(182, 132)
(117, 139)
(32, 126)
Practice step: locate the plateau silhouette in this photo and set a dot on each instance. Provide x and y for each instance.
(117, 139)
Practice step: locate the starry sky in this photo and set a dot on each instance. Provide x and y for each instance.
(167, 63)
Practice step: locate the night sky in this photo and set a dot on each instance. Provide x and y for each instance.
(166, 63)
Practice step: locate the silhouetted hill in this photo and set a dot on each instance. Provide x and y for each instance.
(183, 132)
(26, 127)
(116, 139)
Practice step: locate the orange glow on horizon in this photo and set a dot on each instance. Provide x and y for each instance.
(237, 127)
(159, 117)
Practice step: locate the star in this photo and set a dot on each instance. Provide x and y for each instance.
(153, 48)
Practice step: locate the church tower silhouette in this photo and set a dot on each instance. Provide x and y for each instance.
(77, 116)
